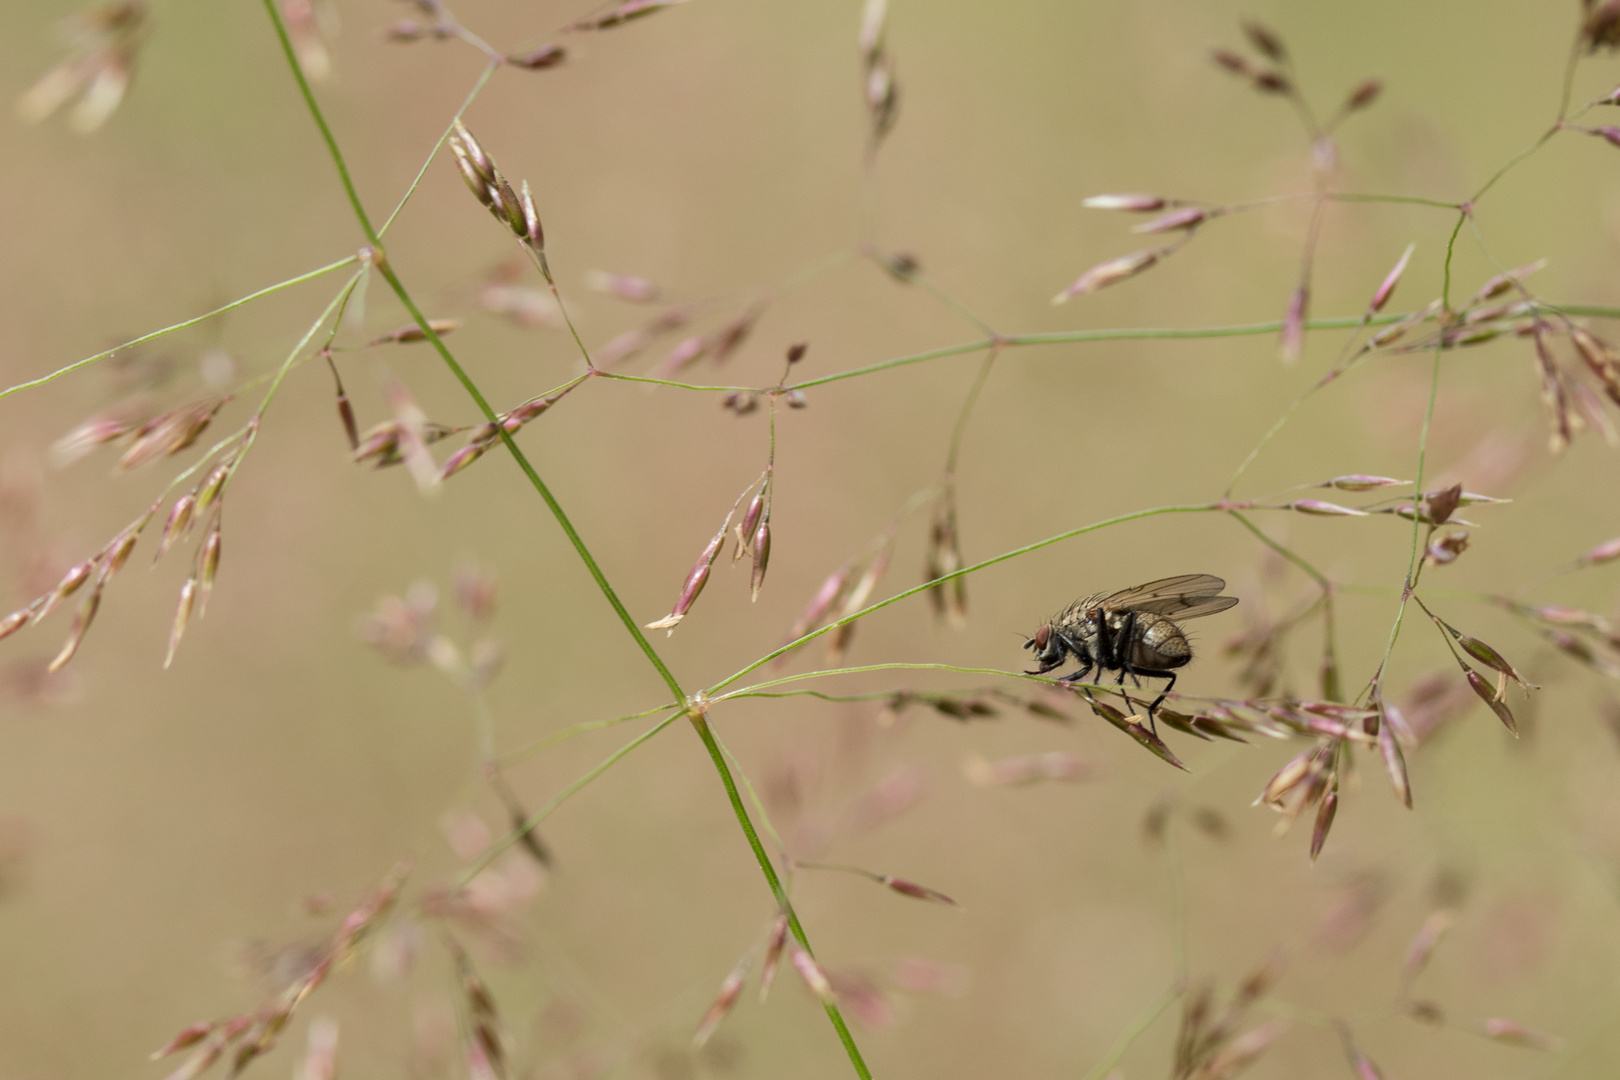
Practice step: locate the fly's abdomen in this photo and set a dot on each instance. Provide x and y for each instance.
(1159, 644)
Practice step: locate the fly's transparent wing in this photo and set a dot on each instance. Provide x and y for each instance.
(1186, 596)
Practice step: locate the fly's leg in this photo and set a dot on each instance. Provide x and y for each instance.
(1077, 676)
(1123, 662)
(1162, 695)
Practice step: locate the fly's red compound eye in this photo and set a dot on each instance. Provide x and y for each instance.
(1042, 636)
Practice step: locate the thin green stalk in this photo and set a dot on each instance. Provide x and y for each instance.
(1134, 1032)
(144, 338)
(957, 431)
(511, 757)
(434, 153)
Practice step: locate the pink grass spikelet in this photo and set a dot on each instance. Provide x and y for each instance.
(1292, 342)
(913, 890)
(1324, 509)
(1608, 551)
(1108, 273)
(634, 289)
(812, 973)
(696, 578)
(760, 549)
(187, 1037)
(182, 616)
(1361, 482)
(1133, 203)
(1188, 217)
(774, 943)
(724, 1000)
(81, 623)
(1389, 748)
(1386, 288)
(1516, 1034)
(1423, 943)
(1324, 822)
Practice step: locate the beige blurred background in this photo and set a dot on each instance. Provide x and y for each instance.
(165, 832)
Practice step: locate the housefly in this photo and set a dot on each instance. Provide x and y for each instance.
(1133, 632)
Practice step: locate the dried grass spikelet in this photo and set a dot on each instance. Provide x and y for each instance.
(484, 1021)
(636, 290)
(857, 598)
(1514, 1033)
(412, 332)
(95, 572)
(172, 431)
(1110, 272)
(1291, 344)
(631, 342)
(103, 427)
(538, 59)
(696, 578)
(942, 560)
(104, 41)
(881, 90)
(775, 940)
(730, 990)
(619, 14)
(814, 976)
(1554, 397)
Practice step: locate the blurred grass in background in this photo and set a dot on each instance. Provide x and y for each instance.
(170, 826)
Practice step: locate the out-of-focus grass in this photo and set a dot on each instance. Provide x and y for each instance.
(174, 819)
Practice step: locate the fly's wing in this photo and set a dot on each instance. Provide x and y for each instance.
(1187, 596)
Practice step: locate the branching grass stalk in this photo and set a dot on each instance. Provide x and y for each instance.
(1138, 1026)
(506, 840)
(186, 324)
(695, 714)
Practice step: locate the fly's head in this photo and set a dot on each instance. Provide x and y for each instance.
(1048, 648)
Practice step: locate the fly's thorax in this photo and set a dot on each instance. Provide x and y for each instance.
(1158, 643)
